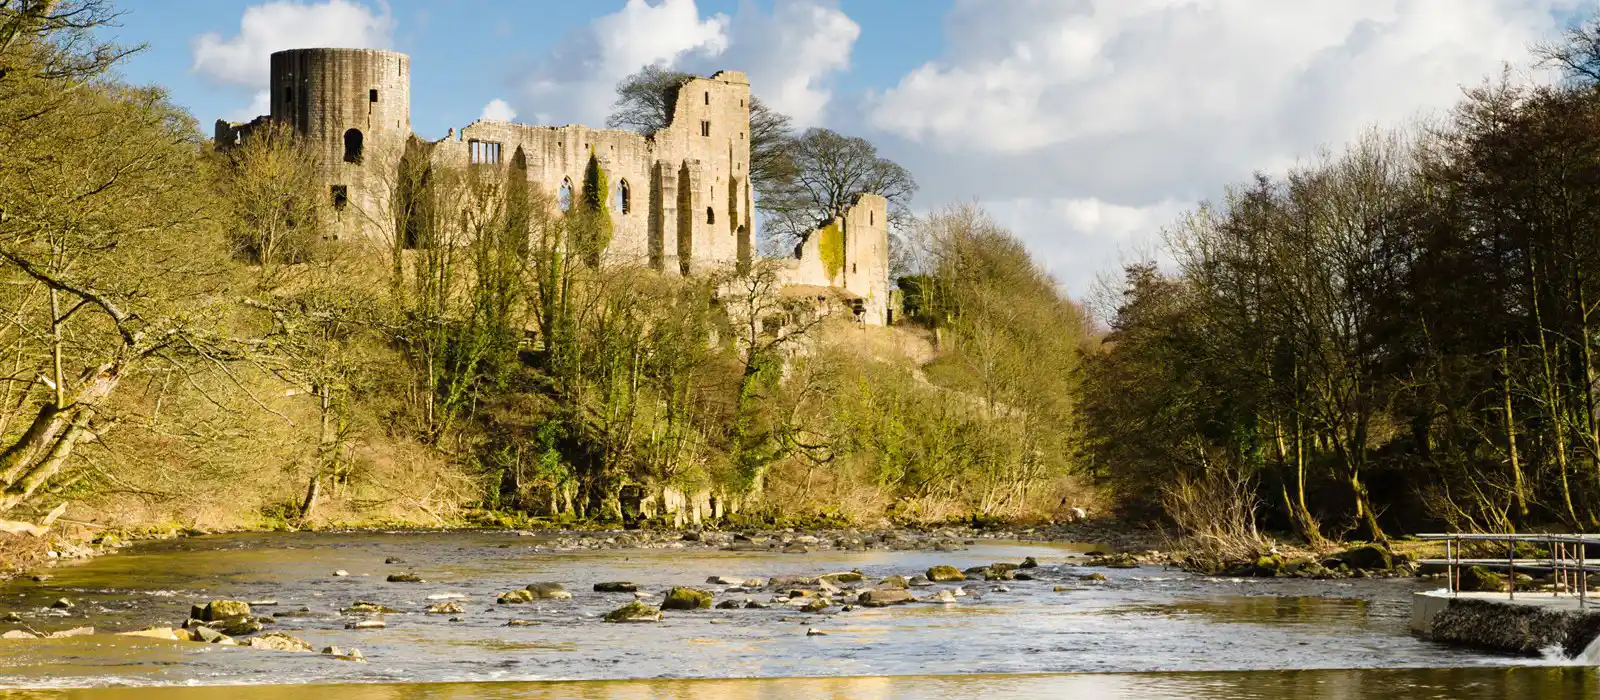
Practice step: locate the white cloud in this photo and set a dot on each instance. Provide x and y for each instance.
(498, 110)
(242, 59)
(1081, 123)
(579, 77)
(789, 55)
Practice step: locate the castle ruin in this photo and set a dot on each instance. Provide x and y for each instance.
(680, 198)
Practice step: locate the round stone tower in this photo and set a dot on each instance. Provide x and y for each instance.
(354, 106)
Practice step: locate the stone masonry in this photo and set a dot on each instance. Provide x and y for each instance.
(680, 198)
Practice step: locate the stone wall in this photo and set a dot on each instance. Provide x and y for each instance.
(1503, 625)
(850, 253)
(688, 204)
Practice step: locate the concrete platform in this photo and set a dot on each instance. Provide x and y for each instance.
(1527, 624)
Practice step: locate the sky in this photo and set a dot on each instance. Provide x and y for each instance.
(1084, 126)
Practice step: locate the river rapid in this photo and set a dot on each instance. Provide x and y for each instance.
(1144, 632)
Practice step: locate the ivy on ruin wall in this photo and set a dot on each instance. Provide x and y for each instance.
(830, 245)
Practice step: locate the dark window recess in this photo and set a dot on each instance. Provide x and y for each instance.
(353, 147)
(624, 197)
(705, 128)
(483, 152)
(340, 195)
(852, 268)
(288, 96)
(711, 215)
(564, 195)
(708, 97)
(372, 95)
(872, 218)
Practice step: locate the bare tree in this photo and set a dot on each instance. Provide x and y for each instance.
(829, 170)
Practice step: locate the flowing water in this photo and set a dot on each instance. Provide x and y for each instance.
(1146, 632)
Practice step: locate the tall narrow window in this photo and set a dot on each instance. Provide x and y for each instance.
(288, 96)
(711, 215)
(708, 97)
(624, 197)
(564, 196)
(352, 146)
(705, 128)
(372, 95)
(483, 152)
(340, 195)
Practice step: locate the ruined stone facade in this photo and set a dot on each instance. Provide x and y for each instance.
(680, 198)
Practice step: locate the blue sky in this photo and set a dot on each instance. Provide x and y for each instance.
(1085, 126)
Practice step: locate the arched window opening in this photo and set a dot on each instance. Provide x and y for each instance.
(352, 146)
(624, 197)
(564, 196)
(711, 215)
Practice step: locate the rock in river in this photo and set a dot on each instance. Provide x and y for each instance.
(278, 641)
(404, 578)
(616, 587)
(878, 598)
(521, 595)
(446, 609)
(548, 591)
(634, 612)
(220, 609)
(681, 598)
(943, 574)
(364, 607)
(366, 625)
(345, 653)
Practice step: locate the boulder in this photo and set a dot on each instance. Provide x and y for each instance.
(681, 598)
(814, 632)
(880, 597)
(944, 596)
(1367, 557)
(548, 591)
(1478, 578)
(1095, 577)
(634, 612)
(404, 578)
(220, 609)
(1029, 563)
(18, 634)
(755, 605)
(62, 604)
(729, 604)
(365, 607)
(207, 635)
(521, 623)
(616, 587)
(345, 653)
(943, 574)
(521, 595)
(816, 606)
(366, 625)
(446, 609)
(735, 581)
(278, 641)
(895, 582)
(236, 626)
(74, 632)
(844, 577)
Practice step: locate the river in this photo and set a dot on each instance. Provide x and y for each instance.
(1145, 632)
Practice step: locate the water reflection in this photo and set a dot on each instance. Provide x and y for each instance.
(1451, 684)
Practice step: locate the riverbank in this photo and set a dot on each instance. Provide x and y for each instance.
(23, 554)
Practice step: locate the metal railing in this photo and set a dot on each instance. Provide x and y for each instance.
(1565, 558)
